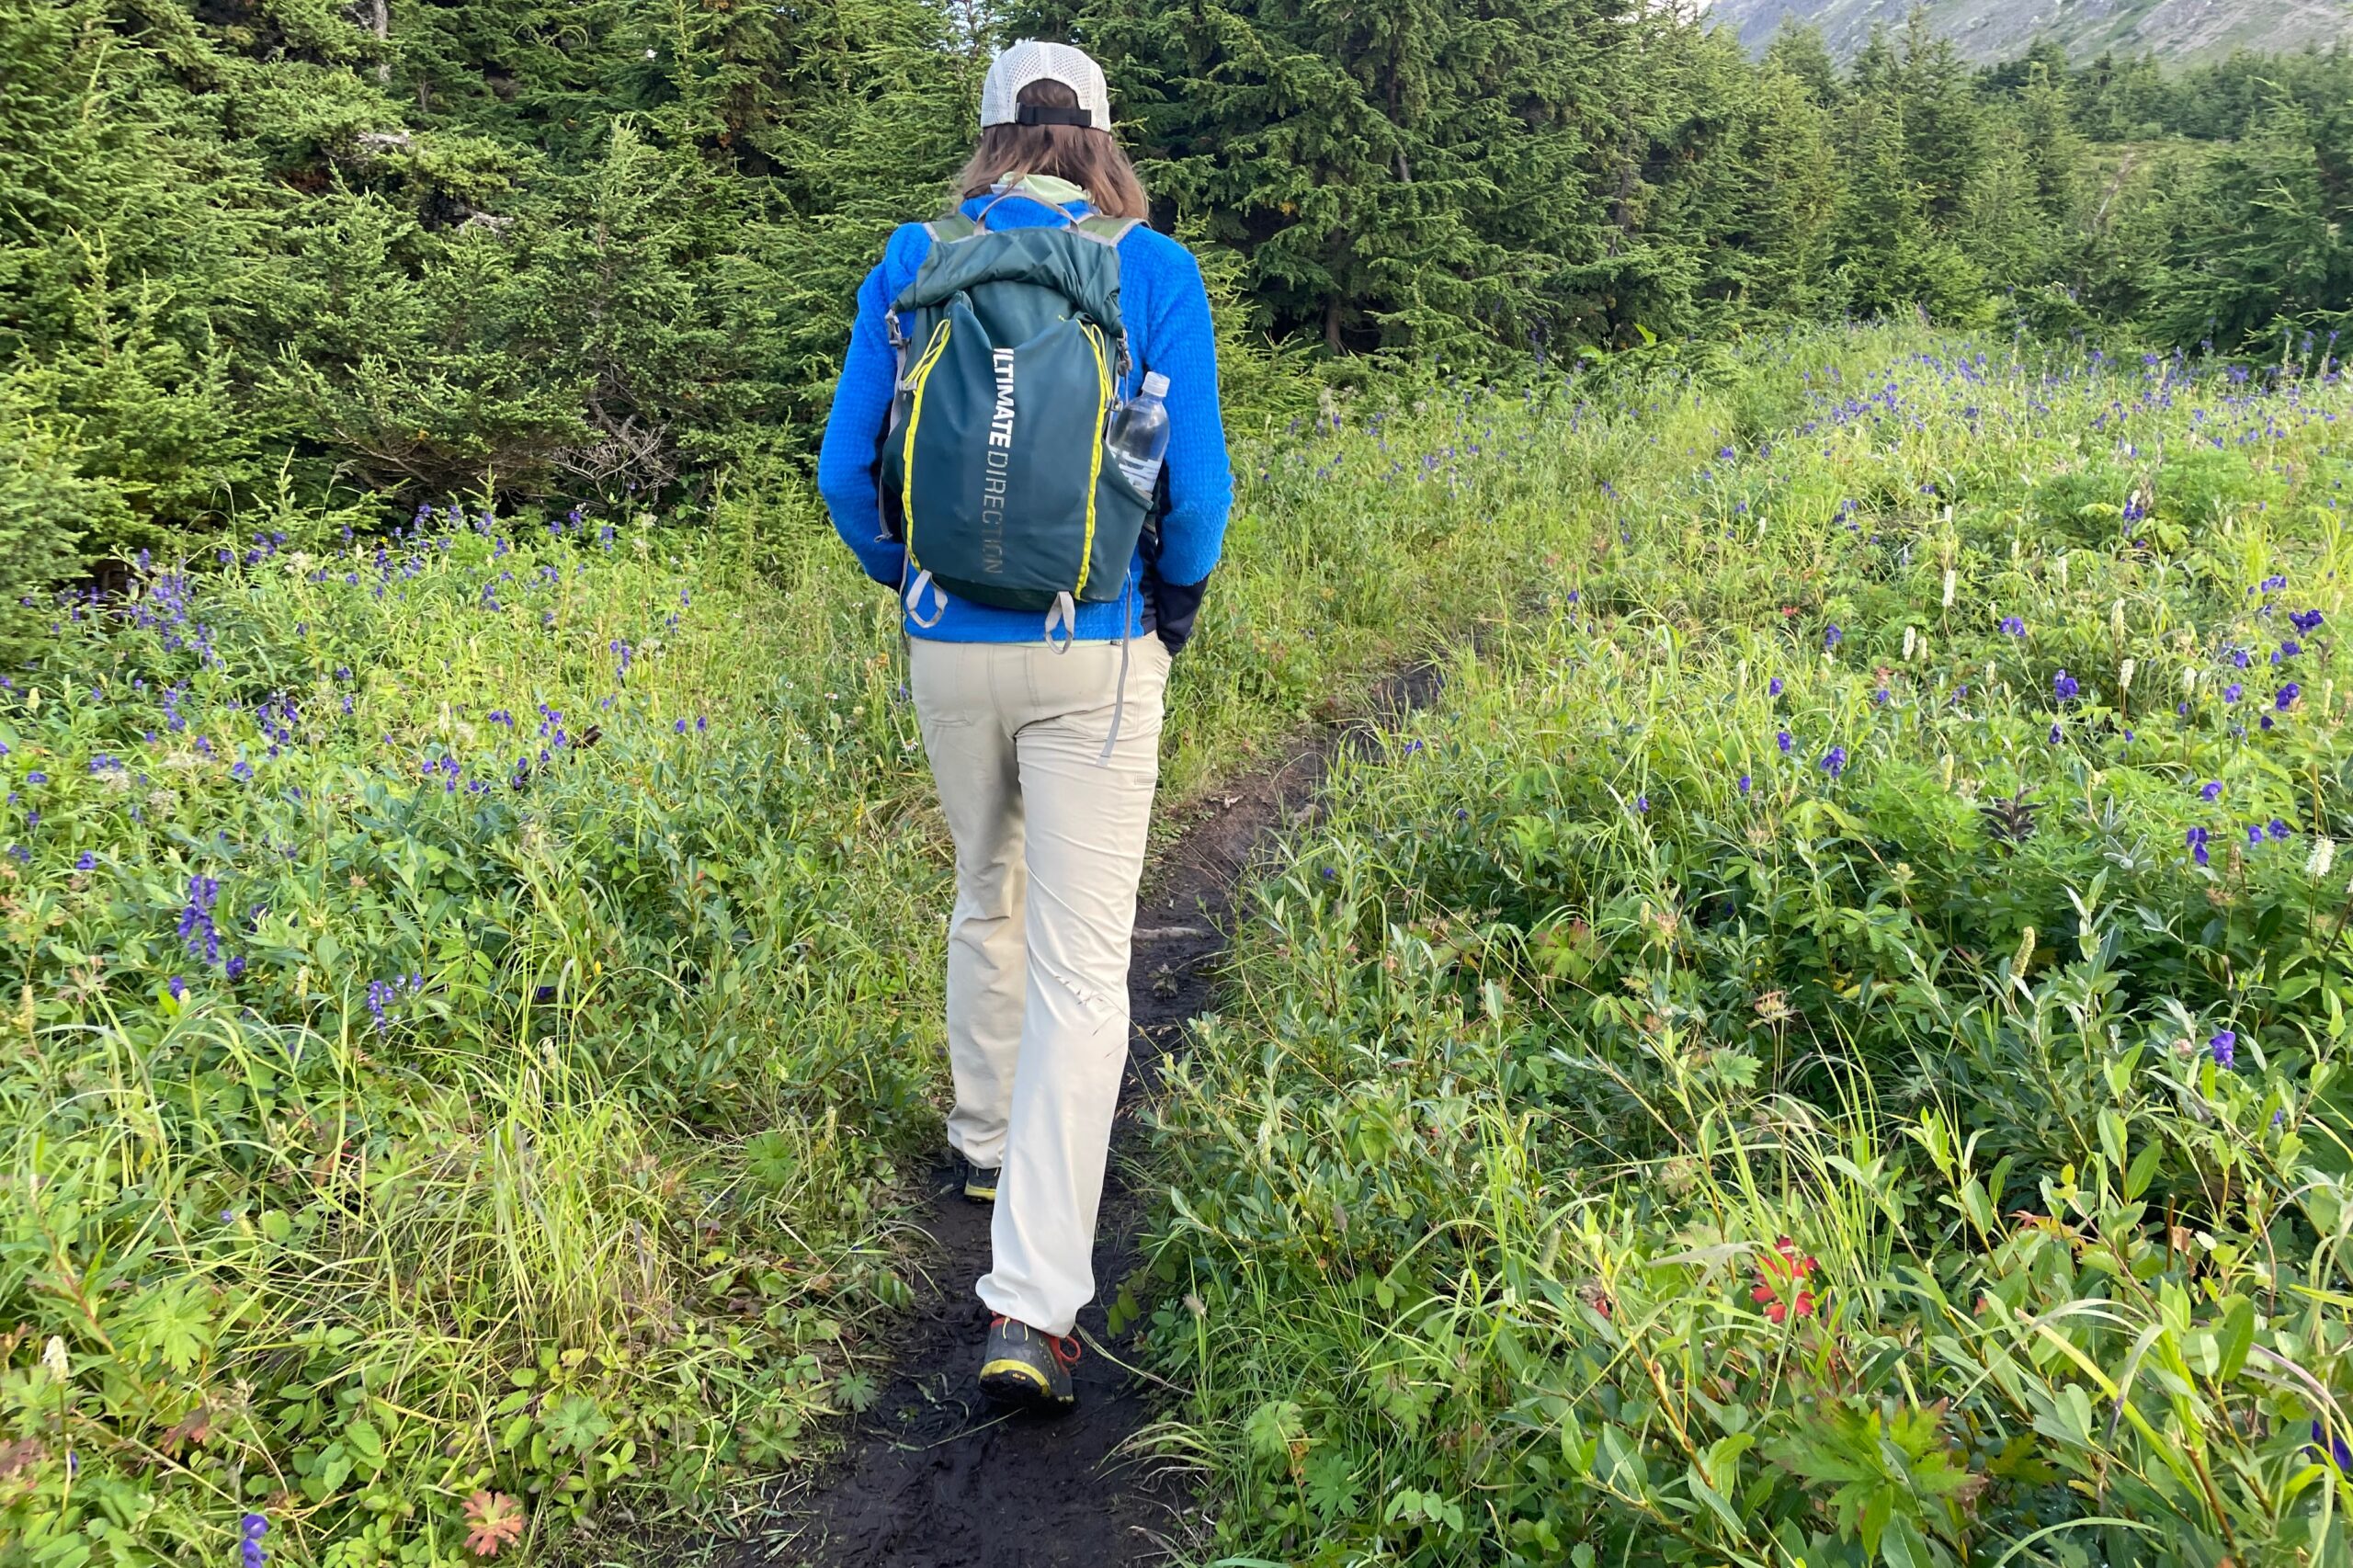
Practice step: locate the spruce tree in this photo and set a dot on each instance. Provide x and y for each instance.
(1405, 175)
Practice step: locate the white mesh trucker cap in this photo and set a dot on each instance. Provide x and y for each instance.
(1033, 59)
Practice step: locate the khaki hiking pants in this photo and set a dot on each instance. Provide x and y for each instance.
(1050, 842)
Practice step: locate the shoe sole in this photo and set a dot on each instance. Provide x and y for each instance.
(978, 1193)
(1021, 1384)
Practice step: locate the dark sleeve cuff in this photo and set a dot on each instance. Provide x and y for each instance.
(1174, 605)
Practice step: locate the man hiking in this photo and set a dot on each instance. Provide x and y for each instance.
(994, 456)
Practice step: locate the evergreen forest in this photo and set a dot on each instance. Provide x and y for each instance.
(273, 255)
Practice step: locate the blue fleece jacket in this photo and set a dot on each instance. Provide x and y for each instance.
(1167, 316)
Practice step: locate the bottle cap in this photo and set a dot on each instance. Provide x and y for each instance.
(1154, 384)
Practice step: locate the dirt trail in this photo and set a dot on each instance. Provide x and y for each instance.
(934, 1477)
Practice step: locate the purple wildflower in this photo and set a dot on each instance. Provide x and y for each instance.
(2286, 696)
(2063, 687)
(2014, 626)
(1781, 738)
(2226, 1046)
(1832, 637)
(1834, 761)
(2212, 790)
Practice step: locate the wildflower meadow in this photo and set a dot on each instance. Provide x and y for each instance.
(1830, 1047)
(1823, 1045)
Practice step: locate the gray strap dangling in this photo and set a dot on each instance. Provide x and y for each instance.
(915, 601)
(1063, 615)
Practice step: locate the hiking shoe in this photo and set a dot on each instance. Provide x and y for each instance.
(1024, 1367)
(980, 1182)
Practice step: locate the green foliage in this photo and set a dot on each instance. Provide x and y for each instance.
(466, 1034)
(1813, 1055)
(44, 504)
(257, 252)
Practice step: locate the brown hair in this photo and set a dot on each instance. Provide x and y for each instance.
(1079, 154)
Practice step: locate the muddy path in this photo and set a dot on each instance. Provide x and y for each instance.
(933, 1476)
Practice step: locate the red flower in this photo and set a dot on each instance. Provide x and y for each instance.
(1783, 1276)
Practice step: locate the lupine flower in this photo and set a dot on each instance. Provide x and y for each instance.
(2279, 830)
(1773, 687)
(2195, 840)
(1834, 761)
(2226, 1046)
(1832, 637)
(2273, 584)
(1642, 802)
(2287, 650)
(2305, 620)
(2233, 692)
(1879, 697)
(2055, 734)
(251, 1529)
(177, 987)
(2063, 687)
(2212, 790)
(2254, 836)
(2239, 658)
(36, 776)
(2014, 626)
(1744, 783)
(1781, 739)
(2326, 1445)
(2286, 697)
(236, 966)
(379, 992)
(85, 861)
(196, 921)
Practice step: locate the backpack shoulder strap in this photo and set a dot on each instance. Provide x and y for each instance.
(950, 227)
(1107, 231)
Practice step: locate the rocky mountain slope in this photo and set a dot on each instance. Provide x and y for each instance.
(2000, 30)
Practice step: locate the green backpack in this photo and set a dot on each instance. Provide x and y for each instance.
(993, 470)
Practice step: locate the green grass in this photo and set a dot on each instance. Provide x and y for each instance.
(1723, 1092)
(414, 1138)
(540, 1168)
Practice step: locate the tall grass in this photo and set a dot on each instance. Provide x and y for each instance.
(1829, 1049)
(474, 991)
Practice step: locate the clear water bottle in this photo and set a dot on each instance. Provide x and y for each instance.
(1137, 438)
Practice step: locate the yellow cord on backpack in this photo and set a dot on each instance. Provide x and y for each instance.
(915, 416)
(1095, 469)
